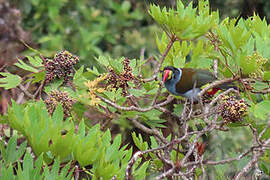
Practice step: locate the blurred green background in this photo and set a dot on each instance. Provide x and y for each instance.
(90, 28)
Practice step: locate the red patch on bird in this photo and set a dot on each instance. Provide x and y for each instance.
(213, 91)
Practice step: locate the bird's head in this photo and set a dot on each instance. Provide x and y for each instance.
(168, 73)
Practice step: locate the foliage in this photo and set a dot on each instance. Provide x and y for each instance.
(45, 135)
(178, 140)
(87, 28)
(28, 169)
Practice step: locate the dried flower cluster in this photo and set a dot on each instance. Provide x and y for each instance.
(93, 89)
(232, 109)
(61, 66)
(56, 97)
(121, 81)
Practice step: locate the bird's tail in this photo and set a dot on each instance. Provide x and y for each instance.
(223, 86)
(227, 85)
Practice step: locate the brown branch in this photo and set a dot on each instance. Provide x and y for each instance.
(257, 153)
(266, 91)
(157, 94)
(135, 157)
(27, 93)
(165, 174)
(134, 108)
(148, 130)
(20, 97)
(249, 165)
(157, 69)
(215, 84)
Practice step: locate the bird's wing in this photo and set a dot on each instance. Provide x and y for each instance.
(190, 76)
(202, 77)
(186, 82)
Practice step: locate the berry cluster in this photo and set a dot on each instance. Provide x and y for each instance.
(232, 109)
(121, 81)
(61, 66)
(56, 97)
(206, 98)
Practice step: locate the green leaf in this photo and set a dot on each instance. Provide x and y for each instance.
(35, 61)
(58, 114)
(64, 170)
(103, 60)
(11, 150)
(137, 92)
(27, 166)
(93, 71)
(55, 168)
(266, 75)
(10, 81)
(154, 143)
(53, 85)
(261, 110)
(138, 141)
(81, 130)
(113, 150)
(141, 172)
(7, 172)
(38, 166)
(117, 65)
(106, 138)
(26, 67)
(37, 77)
(21, 150)
(260, 85)
(178, 108)
(78, 73)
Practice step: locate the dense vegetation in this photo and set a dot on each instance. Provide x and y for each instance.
(105, 114)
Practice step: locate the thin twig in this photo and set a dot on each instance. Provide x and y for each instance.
(135, 157)
(157, 69)
(165, 174)
(148, 130)
(215, 84)
(134, 108)
(26, 92)
(266, 91)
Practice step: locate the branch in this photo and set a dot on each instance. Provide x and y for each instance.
(215, 84)
(257, 153)
(266, 91)
(135, 157)
(156, 70)
(148, 130)
(167, 173)
(134, 108)
(27, 93)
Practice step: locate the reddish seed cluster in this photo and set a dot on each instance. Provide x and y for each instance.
(232, 109)
(121, 81)
(56, 97)
(61, 66)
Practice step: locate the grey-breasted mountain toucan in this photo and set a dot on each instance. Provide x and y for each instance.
(180, 81)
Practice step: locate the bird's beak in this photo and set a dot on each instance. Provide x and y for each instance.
(166, 73)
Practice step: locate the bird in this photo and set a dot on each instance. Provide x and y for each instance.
(187, 82)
